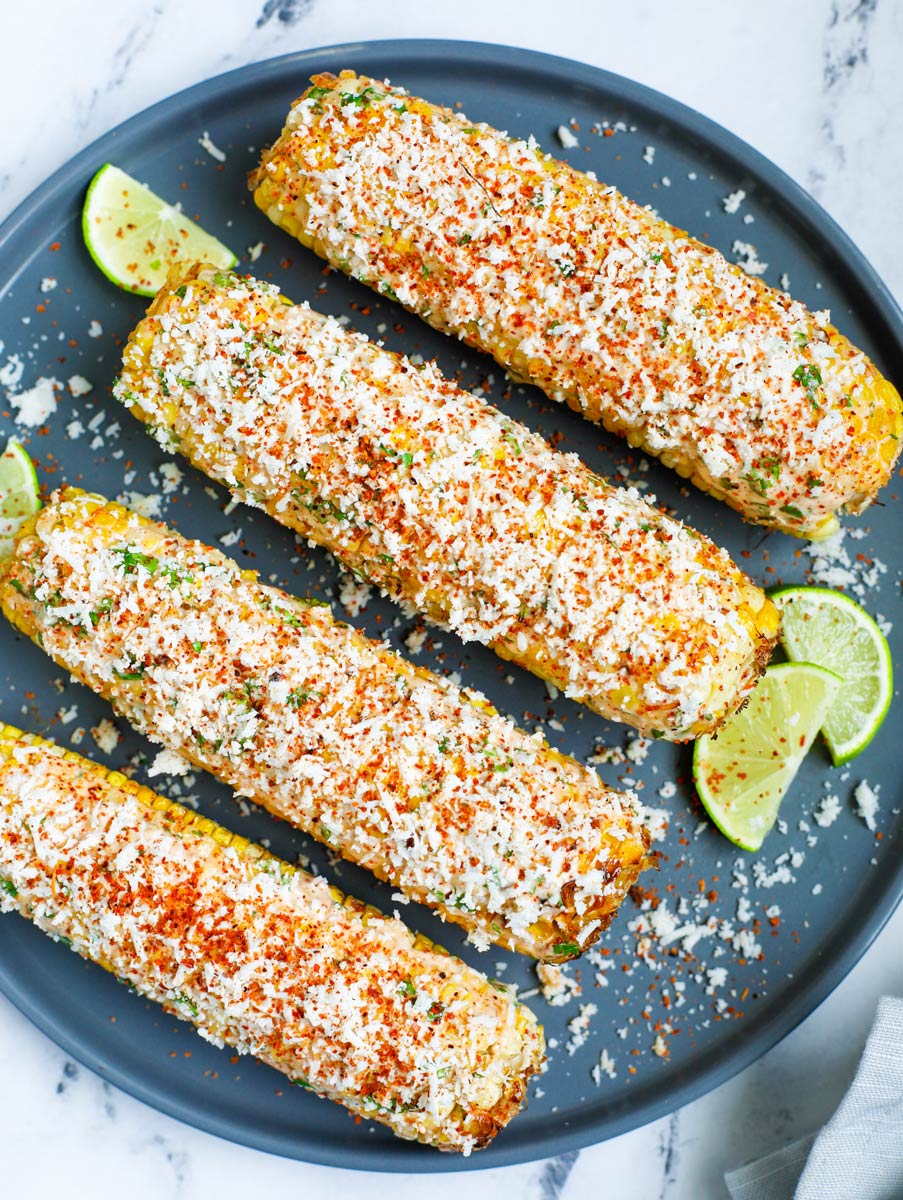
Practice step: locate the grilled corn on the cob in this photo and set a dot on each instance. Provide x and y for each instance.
(420, 782)
(256, 953)
(446, 504)
(586, 294)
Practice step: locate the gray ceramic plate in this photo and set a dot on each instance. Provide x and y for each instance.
(806, 948)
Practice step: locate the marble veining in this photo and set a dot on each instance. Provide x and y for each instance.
(817, 86)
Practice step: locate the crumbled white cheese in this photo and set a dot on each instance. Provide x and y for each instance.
(567, 138)
(747, 258)
(207, 144)
(79, 386)
(68, 715)
(578, 1027)
(48, 283)
(95, 329)
(231, 538)
(605, 1066)
(558, 988)
(415, 639)
(144, 506)
(167, 762)
(106, 735)
(172, 477)
(35, 406)
(649, 155)
(731, 203)
(354, 594)
(867, 805)
(828, 811)
(255, 251)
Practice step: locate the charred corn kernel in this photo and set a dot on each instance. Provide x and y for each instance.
(589, 296)
(361, 1011)
(390, 766)
(447, 505)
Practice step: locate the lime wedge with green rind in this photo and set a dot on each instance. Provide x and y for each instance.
(135, 236)
(826, 627)
(742, 772)
(20, 493)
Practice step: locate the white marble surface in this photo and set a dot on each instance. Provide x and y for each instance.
(817, 86)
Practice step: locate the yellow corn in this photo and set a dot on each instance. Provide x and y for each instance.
(257, 954)
(578, 290)
(447, 505)
(395, 769)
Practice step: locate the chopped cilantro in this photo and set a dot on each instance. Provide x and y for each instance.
(407, 988)
(809, 376)
(7, 885)
(565, 948)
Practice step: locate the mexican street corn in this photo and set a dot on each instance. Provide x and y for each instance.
(447, 505)
(422, 783)
(578, 290)
(257, 954)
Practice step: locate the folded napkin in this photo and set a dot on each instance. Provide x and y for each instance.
(859, 1153)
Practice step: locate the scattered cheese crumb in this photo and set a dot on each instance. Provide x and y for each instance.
(605, 1066)
(48, 283)
(230, 538)
(649, 155)
(172, 477)
(557, 987)
(567, 138)
(35, 405)
(867, 802)
(95, 329)
(213, 150)
(746, 257)
(660, 1047)
(67, 715)
(827, 812)
(167, 762)
(79, 386)
(578, 1027)
(255, 251)
(144, 506)
(637, 750)
(354, 595)
(732, 202)
(106, 735)
(415, 639)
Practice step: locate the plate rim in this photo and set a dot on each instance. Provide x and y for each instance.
(822, 974)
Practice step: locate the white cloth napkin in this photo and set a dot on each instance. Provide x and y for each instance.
(859, 1153)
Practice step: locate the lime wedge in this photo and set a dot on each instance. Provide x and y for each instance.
(825, 627)
(742, 773)
(19, 492)
(135, 237)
